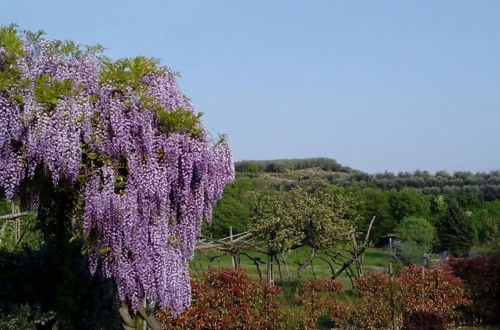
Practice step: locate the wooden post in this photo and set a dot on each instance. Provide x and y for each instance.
(16, 223)
(18, 234)
(233, 259)
(2, 231)
(391, 283)
(393, 303)
(13, 211)
(287, 269)
(279, 268)
(355, 250)
(270, 274)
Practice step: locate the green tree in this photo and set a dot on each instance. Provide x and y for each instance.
(455, 230)
(486, 220)
(314, 215)
(230, 211)
(235, 207)
(409, 201)
(376, 202)
(418, 230)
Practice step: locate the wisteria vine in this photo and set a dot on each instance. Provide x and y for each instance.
(130, 141)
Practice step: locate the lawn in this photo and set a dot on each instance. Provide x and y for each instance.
(375, 260)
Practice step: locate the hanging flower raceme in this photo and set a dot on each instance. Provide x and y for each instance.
(125, 135)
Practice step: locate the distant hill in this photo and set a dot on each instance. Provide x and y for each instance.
(283, 165)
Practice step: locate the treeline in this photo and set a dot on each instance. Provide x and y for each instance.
(444, 212)
(485, 185)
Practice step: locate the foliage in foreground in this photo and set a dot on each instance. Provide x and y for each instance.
(230, 299)
(315, 297)
(227, 299)
(24, 317)
(424, 320)
(126, 148)
(482, 280)
(55, 282)
(415, 289)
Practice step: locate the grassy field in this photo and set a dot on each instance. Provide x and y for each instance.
(375, 260)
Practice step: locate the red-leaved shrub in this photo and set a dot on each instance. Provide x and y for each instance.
(374, 305)
(424, 320)
(433, 290)
(341, 313)
(227, 298)
(315, 296)
(482, 279)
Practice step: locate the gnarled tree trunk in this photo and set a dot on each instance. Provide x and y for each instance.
(306, 263)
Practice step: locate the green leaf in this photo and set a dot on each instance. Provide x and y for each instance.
(105, 249)
(92, 155)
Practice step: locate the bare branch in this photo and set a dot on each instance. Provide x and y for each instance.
(14, 216)
(218, 243)
(369, 230)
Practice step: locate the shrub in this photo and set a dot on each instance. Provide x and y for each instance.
(26, 318)
(19, 318)
(409, 253)
(482, 279)
(374, 306)
(433, 290)
(316, 296)
(424, 320)
(76, 299)
(341, 314)
(293, 317)
(227, 299)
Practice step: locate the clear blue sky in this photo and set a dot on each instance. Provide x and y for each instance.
(377, 85)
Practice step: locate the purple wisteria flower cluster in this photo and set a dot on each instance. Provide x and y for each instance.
(147, 171)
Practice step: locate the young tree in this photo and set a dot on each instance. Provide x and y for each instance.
(115, 148)
(417, 230)
(312, 215)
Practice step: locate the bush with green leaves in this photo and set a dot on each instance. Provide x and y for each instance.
(409, 253)
(417, 230)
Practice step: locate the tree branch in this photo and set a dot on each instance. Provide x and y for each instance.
(128, 322)
(151, 320)
(306, 263)
(217, 244)
(14, 216)
(369, 230)
(328, 262)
